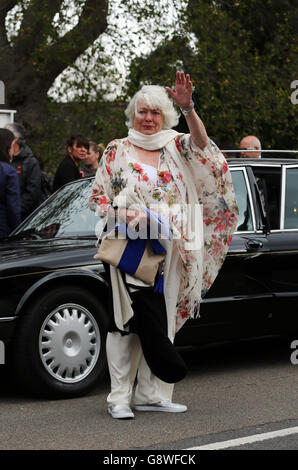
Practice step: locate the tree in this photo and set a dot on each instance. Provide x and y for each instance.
(42, 47)
(38, 54)
(242, 62)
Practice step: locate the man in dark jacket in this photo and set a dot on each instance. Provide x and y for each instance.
(68, 170)
(28, 171)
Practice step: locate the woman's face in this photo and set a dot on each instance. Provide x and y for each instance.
(92, 158)
(12, 149)
(148, 121)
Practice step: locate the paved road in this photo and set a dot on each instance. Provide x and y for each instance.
(232, 391)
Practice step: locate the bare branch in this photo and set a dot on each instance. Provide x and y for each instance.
(36, 25)
(36, 62)
(92, 23)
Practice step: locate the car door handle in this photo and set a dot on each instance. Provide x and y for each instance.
(253, 244)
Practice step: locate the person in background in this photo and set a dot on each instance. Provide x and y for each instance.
(10, 201)
(68, 170)
(250, 142)
(28, 170)
(92, 160)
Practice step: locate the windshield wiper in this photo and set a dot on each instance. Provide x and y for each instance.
(77, 237)
(31, 233)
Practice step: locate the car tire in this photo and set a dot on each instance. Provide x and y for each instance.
(59, 347)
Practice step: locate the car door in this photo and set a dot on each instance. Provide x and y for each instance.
(283, 244)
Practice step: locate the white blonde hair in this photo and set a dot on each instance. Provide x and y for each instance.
(155, 97)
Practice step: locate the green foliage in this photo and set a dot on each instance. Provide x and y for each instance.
(241, 55)
(242, 66)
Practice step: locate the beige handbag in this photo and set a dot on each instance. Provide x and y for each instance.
(139, 258)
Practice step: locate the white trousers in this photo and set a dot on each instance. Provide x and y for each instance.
(126, 362)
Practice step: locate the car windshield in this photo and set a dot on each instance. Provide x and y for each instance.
(65, 214)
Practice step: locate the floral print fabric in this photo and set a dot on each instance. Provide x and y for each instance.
(120, 167)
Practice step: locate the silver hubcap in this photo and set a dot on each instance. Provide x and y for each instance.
(69, 343)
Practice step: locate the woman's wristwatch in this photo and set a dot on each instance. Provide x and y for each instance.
(187, 111)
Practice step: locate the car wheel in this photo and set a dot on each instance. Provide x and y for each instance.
(59, 347)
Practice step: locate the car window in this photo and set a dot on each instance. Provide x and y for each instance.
(66, 213)
(291, 198)
(245, 222)
(268, 180)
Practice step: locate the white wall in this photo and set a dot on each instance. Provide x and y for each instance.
(6, 116)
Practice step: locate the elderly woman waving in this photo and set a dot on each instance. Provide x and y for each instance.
(185, 179)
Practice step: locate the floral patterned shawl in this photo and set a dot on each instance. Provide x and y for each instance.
(120, 167)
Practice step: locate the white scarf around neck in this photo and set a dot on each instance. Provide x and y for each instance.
(151, 142)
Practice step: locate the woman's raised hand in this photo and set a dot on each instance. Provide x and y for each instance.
(183, 90)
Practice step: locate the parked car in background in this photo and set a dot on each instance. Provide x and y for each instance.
(54, 295)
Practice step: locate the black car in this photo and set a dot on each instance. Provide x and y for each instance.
(54, 294)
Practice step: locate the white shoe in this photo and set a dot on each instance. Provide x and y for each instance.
(120, 411)
(165, 405)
